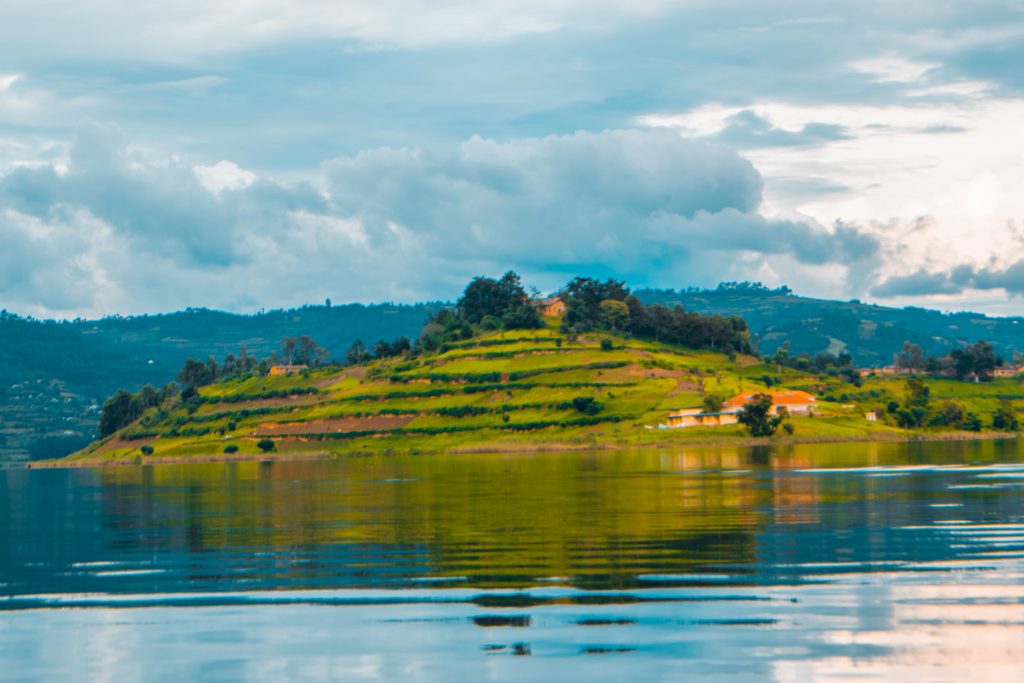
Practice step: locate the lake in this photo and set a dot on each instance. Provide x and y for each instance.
(862, 561)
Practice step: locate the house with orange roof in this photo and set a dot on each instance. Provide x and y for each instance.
(794, 401)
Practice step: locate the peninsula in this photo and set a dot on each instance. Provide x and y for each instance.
(590, 367)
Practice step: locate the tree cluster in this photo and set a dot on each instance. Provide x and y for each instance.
(917, 410)
(124, 407)
(494, 304)
(608, 305)
(976, 360)
(834, 365)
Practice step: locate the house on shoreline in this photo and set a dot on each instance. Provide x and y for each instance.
(792, 402)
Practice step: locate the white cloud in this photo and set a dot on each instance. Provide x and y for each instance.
(961, 164)
(123, 231)
(224, 175)
(893, 69)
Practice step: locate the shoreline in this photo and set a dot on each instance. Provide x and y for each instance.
(746, 442)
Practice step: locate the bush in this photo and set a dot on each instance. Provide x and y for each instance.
(265, 445)
(788, 428)
(1005, 419)
(586, 405)
(146, 450)
(231, 448)
(606, 345)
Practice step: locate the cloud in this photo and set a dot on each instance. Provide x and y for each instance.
(1008, 278)
(123, 229)
(746, 129)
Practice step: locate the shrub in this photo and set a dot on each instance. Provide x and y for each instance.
(788, 428)
(231, 448)
(606, 345)
(265, 445)
(146, 450)
(1005, 419)
(586, 405)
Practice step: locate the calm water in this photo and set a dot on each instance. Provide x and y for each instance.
(895, 562)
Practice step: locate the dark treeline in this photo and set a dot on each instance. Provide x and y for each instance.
(609, 306)
(488, 304)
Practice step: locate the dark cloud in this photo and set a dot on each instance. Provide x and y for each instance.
(746, 129)
(121, 230)
(955, 281)
(919, 283)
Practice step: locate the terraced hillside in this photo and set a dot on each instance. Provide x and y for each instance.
(520, 390)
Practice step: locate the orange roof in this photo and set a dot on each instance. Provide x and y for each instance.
(780, 398)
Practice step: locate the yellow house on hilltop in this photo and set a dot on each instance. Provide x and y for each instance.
(552, 307)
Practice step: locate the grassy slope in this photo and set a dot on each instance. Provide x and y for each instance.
(393, 405)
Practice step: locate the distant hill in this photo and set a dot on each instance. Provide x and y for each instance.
(868, 332)
(55, 375)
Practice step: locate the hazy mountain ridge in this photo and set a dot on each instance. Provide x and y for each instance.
(870, 333)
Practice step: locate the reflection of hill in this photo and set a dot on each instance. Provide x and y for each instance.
(496, 519)
(598, 519)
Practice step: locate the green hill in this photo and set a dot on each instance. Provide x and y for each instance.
(516, 390)
(54, 375)
(870, 333)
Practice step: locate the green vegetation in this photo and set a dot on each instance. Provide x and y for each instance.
(757, 416)
(483, 376)
(574, 395)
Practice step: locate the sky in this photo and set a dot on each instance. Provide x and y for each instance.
(247, 154)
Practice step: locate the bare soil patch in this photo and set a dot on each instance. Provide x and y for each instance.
(338, 424)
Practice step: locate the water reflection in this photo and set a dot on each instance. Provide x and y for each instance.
(802, 561)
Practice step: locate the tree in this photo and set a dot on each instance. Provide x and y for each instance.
(1005, 419)
(357, 354)
(613, 314)
(118, 411)
(712, 403)
(918, 393)
(587, 405)
(198, 374)
(757, 416)
(912, 357)
(583, 297)
(503, 299)
(265, 445)
(975, 359)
